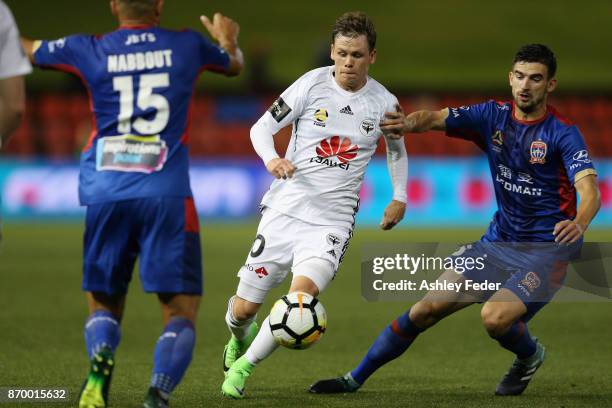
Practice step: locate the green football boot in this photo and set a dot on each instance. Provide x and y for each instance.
(94, 393)
(235, 378)
(235, 348)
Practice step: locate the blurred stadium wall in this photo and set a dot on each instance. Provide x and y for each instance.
(430, 56)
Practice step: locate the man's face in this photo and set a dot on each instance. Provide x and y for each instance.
(352, 58)
(530, 85)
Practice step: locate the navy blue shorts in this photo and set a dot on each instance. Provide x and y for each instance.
(534, 272)
(163, 233)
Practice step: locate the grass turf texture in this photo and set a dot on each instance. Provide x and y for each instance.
(454, 364)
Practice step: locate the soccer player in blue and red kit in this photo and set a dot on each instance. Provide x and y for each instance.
(538, 161)
(134, 178)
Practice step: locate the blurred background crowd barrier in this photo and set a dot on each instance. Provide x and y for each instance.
(453, 54)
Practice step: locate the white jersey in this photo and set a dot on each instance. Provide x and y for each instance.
(13, 61)
(335, 134)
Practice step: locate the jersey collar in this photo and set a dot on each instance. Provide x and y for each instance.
(531, 122)
(344, 92)
(136, 27)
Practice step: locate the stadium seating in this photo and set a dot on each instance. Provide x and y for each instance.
(58, 125)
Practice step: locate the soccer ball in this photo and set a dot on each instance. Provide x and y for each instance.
(297, 320)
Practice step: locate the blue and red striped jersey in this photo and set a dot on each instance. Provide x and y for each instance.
(140, 81)
(534, 165)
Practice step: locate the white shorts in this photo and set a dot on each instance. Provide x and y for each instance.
(282, 244)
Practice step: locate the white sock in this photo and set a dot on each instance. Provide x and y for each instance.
(239, 328)
(263, 345)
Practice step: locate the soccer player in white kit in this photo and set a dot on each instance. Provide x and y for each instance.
(309, 211)
(13, 66)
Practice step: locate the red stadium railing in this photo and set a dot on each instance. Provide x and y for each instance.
(58, 125)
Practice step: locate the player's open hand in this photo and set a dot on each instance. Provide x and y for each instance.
(223, 29)
(393, 214)
(280, 168)
(568, 232)
(393, 124)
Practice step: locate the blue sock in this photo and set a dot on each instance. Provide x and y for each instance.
(518, 340)
(173, 354)
(101, 330)
(390, 344)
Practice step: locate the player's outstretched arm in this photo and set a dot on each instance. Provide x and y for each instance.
(397, 123)
(397, 163)
(569, 231)
(225, 30)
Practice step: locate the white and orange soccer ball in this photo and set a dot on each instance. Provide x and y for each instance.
(297, 320)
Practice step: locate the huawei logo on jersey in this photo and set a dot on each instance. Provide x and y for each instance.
(343, 149)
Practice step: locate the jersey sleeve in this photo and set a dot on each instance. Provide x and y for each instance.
(288, 106)
(469, 123)
(391, 104)
(212, 57)
(64, 54)
(575, 155)
(13, 61)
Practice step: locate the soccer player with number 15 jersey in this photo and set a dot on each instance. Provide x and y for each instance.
(134, 179)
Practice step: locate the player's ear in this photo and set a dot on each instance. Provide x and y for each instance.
(159, 7)
(113, 7)
(552, 84)
(373, 56)
(331, 52)
(510, 78)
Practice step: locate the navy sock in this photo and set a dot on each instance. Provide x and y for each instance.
(101, 330)
(390, 344)
(173, 354)
(518, 340)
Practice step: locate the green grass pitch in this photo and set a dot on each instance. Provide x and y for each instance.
(454, 364)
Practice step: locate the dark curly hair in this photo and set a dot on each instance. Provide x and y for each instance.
(537, 53)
